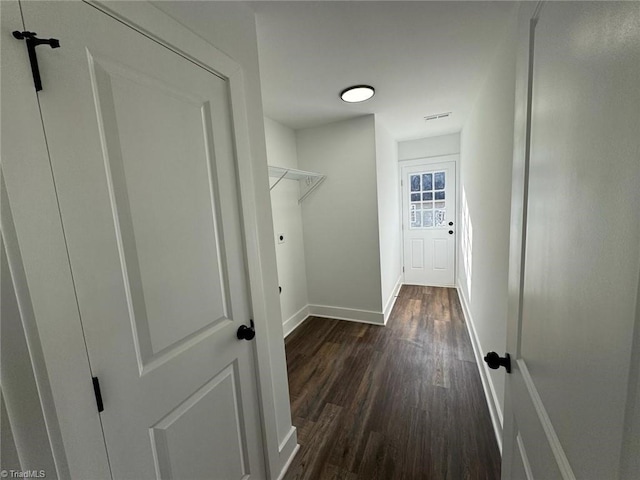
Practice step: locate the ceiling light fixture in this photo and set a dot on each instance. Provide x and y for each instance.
(357, 93)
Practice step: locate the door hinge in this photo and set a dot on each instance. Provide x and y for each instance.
(96, 390)
(32, 43)
(402, 269)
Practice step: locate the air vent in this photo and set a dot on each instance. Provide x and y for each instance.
(437, 116)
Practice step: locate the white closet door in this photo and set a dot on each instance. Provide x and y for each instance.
(143, 159)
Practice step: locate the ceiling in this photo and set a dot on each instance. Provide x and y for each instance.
(422, 58)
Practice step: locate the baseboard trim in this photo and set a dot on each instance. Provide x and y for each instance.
(487, 384)
(289, 444)
(392, 299)
(339, 313)
(295, 320)
(350, 314)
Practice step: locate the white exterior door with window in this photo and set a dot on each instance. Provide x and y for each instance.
(142, 151)
(429, 213)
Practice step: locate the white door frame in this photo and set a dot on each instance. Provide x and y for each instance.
(75, 456)
(455, 158)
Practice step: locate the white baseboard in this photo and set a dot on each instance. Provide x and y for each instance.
(487, 385)
(339, 313)
(391, 301)
(351, 314)
(295, 320)
(288, 449)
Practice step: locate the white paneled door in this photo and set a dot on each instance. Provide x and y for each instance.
(142, 153)
(573, 397)
(429, 213)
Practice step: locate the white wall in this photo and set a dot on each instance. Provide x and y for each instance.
(429, 147)
(287, 220)
(485, 182)
(340, 220)
(389, 227)
(335, 261)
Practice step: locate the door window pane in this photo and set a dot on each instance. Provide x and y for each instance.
(427, 181)
(425, 188)
(428, 218)
(416, 219)
(415, 183)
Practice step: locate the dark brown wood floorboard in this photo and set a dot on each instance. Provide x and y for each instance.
(403, 401)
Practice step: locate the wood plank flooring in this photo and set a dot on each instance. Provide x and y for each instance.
(403, 401)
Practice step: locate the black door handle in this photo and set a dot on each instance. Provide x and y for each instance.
(450, 224)
(495, 361)
(32, 43)
(246, 333)
(450, 232)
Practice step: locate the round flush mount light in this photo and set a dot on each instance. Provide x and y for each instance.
(357, 93)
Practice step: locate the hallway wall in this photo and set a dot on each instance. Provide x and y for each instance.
(287, 220)
(485, 193)
(429, 147)
(389, 227)
(340, 220)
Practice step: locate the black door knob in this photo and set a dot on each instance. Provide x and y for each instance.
(450, 224)
(495, 361)
(450, 232)
(246, 333)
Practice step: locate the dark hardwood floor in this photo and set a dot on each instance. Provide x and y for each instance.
(403, 401)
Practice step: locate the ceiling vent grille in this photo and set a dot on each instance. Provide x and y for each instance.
(437, 116)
